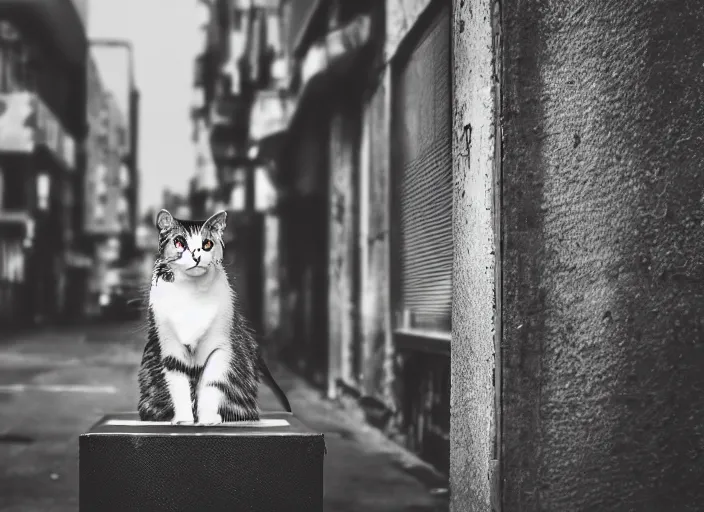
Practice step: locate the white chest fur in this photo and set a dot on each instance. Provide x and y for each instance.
(194, 313)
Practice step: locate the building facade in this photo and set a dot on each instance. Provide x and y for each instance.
(317, 79)
(43, 106)
(369, 144)
(461, 198)
(234, 65)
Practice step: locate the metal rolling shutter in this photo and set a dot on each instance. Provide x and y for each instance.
(422, 121)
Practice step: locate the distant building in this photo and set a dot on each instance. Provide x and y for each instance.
(176, 204)
(240, 42)
(109, 222)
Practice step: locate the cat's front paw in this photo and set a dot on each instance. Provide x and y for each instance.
(209, 419)
(183, 419)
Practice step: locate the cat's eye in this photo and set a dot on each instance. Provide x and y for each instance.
(179, 243)
(207, 245)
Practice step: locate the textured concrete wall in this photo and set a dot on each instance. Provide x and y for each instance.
(603, 112)
(342, 242)
(375, 237)
(472, 394)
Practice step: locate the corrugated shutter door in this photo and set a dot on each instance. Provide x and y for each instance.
(422, 114)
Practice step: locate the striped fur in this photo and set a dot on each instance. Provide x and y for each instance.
(198, 341)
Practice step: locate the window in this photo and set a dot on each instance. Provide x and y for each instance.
(99, 213)
(14, 194)
(422, 184)
(10, 56)
(237, 16)
(124, 176)
(43, 191)
(101, 178)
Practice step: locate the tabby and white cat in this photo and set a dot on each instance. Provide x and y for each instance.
(201, 363)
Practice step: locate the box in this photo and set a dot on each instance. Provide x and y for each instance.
(275, 464)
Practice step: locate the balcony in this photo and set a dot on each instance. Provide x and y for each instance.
(61, 21)
(26, 124)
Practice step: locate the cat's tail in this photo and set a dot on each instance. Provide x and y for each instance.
(269, 380)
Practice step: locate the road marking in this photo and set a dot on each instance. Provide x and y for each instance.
(57, 388)
(29, 360)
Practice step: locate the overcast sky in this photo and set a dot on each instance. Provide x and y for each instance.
(165, 40)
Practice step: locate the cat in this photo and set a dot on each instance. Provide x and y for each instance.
(201, 363)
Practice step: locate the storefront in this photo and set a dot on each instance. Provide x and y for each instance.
(36, 163)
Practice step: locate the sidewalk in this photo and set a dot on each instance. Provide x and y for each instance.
(40, 422)
(364, 471)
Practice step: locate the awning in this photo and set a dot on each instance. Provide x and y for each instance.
(17, 223)
(61, 21)
(15, 217)
(334, 56)
(337, 44)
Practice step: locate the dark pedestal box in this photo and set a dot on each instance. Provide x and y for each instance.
(273, 465)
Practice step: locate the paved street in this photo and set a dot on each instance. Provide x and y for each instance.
(55, 384)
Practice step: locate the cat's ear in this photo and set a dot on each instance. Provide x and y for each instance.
(164, 220)
(217, 222)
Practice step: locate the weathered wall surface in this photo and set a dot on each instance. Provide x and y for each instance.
(303, 248)
(472, 395)
(375, 239)
(342, 304)
(603, 111)
(307, 152)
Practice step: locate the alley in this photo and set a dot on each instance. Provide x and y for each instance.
(55, 383)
